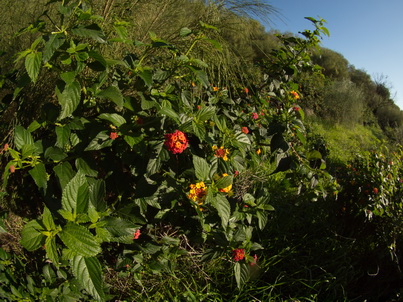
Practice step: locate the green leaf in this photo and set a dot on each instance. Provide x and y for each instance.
(53, 44)
(31, 236)
(64, 173)
(47, 220)
(33, 126)
(22, 137)
(33, 63)
(185, 32)
(75, 195)
(102, 140)
(205, 113)
(278, 142)
(171, 113)
(54, 153)
(88, 272)
(84, 167)
(122, 230)
(97, 195)
(224, 182)
(262, 218)
(133, 140)
(201, 76)
(202, 168)
(68, 77)
(241, 272)
(114, 94)
(80, 240)
(63, 136)
(243, 138)
(146, 76)
(116, 119)
(69, 99)
(51, 250)
(221, 204)
(38, 173)
(91, 31)
(199, 130)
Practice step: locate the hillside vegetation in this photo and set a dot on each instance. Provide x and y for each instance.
(175, 150)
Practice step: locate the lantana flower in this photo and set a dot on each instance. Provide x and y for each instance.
(245, 130)
(176, 142)
(198, 192)
(226, 189)
(137, 234)
(238, 254)
(113, 135)
(221, 152)
(295, 95)
(255, 116)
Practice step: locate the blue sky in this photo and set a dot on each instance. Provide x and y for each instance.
(368, 33)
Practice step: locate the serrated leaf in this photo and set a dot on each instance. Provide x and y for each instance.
(146, 76)
(185, 32)
(63, 136)
(64, 173)
(53, 44)
(224, 182)
(170, 113)
(88, 272)
(80, 240)
(102, 140)
(201, 76)
(69, 98)
(54, 153)
(199, 130)
(31, 236)
(91, 31)
(97, 195)
(82, 165)
(133, 140)
(120, 228)
(68, 77)
(75, 195)
(241, 272)
(112, 93)
(22, 137)
(51, 250)
(38, 173)
(205, 113)
(221, 204)
(47, 220)
(202, 168)
(33, 63)
(243, 138)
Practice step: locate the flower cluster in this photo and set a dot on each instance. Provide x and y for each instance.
(226, 189)
(238, 254)
(295, 95)
(220, 152)
(137, 234)
(198, 192)
(176, 142)
(245, 130)
(113, 135)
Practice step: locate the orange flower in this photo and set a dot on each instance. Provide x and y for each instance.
(258, 151)
(295, 95)
(245, 130)
(137, 234)
(12, 169)
(176, 142)
(5, 147)
(215, 88)
(113, 135)
(238, 254)
(220, 152)
(198, 192)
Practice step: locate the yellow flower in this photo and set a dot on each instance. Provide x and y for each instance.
(221, 152)
(226, 189)
(198, 192)
(258, 151)
(215, 88)
(295, 95)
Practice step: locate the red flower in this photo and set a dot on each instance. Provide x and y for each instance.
(12, 169)
(255, 116)
(238, 254)
(236, 173)
(176, 142)
(137, 234)
(296, 108)
(246, 90)
(245, 130)
(375, 190)
(254, 260)
(113, 135)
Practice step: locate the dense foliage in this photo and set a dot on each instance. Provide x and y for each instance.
(167, 164)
